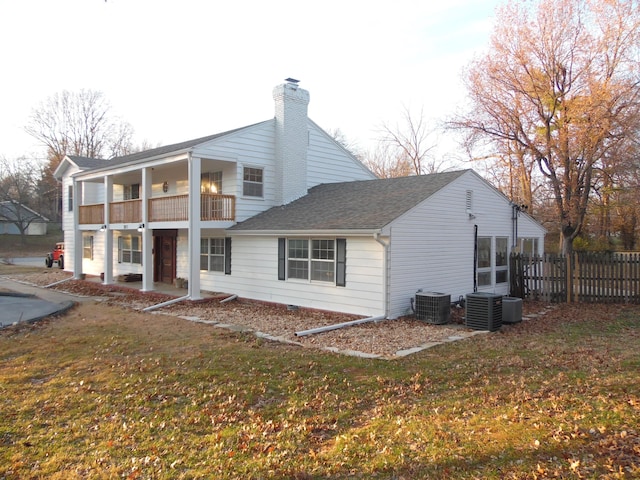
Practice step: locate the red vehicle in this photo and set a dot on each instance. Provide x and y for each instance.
(56, 256)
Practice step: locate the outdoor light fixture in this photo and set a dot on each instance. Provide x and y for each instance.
(102, 228)
(141, 227)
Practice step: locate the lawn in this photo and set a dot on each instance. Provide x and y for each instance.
(108, 392)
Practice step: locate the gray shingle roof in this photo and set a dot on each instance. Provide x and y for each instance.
(13, 211)
(168, 149)
(85, 163)
(361, 205)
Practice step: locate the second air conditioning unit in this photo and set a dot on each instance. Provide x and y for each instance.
(433, 307)
(484, 311)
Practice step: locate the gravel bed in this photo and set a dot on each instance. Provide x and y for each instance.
(385, 338)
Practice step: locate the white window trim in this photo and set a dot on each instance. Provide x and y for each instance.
(255, 167)
(484, 270)
(501, 268)
(131, 250)
(210, 255)
(86, 237)
(310, 261)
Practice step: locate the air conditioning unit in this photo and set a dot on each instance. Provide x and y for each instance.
(483, 311)
(511, 309)
(433, 307)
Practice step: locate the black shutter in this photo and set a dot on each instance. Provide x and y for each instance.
(341, 262)
(282, 258)
(227, 256)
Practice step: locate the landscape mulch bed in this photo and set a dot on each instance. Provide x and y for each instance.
(385, 338)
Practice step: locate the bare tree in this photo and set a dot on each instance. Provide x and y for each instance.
(384, 163)
(19, 193)
(339, 136)
(77, 123)
(409, 144)
(559, 85)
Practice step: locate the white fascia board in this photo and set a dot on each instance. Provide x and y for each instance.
(62, 166)
(304, 233)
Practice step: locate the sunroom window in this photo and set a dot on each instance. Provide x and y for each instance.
(484, 261)
(502, 260)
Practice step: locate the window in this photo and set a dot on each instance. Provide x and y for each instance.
(484, 261)
(252, 182)
(70, 198)
(129, 249)
(87, 246)
(317, 260)
(212, 254)
(211, 182)
(502, 260)
(528, 246)
(322, 260)
(298, 259)
(132, 192)
(215, 255)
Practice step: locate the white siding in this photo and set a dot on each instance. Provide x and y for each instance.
(93, 266)
(254, 274)
(67, 219)
(92, 193)
(249, 148)
(182, 254)
(330, 163)
(432, 246)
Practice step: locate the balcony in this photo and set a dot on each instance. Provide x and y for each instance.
(213, 207)
(128, 211)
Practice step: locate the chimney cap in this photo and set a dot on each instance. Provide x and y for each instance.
(292, 80)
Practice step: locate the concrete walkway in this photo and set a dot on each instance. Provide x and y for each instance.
(28, 303)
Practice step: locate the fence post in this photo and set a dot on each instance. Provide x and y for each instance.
(569, 277)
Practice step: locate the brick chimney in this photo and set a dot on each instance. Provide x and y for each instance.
(292, 140)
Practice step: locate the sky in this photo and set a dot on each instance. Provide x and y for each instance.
(179, 70)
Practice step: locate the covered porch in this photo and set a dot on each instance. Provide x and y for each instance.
(147, 206)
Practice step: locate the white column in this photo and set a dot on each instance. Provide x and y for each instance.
(195, 169)
(147, 234)
(108, 234)
(77, 233)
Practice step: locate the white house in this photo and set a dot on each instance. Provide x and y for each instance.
(14, 216)
(279, 211)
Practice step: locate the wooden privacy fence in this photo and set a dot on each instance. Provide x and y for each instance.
(580, 277)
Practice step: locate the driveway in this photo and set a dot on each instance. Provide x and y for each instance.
(27, 303)
(29, 261)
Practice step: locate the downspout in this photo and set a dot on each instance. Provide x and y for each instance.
(328, 328)
(514, 219)
(385, 260)
(164, 304)
(475, 258)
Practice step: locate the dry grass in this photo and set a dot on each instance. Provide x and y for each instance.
(108, 392)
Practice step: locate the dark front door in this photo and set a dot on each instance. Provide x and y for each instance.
(165, 258)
